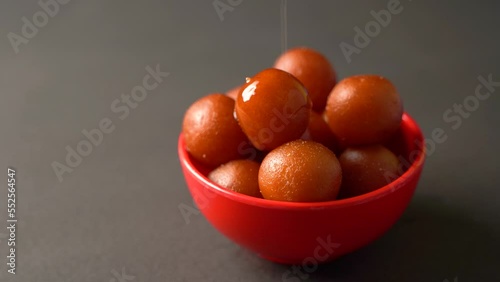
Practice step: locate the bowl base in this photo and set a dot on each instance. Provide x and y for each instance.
(293, 261)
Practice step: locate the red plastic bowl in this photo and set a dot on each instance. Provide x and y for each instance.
(311, 233)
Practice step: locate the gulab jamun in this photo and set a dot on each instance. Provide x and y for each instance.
(364, 110)
(312, 69)
(273, 108)
(240, 176)
(366, 168)
(320, 132)
(300, 171)
(211, 132)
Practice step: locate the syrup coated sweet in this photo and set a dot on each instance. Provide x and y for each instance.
(239, 175)
(300, 171)
(212, 135)
(273, 108)
(312, 69)
(363, 110)
(319, 131)
(365, 169)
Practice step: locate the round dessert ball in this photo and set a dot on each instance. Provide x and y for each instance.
(233, 93)
(363, 110)
(272, 108)
(365, 169)
(239, 176)
(211, 133)
(312, 69)
(320, 132)
(300, 171)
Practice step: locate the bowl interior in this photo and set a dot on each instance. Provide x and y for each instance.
(406, 144)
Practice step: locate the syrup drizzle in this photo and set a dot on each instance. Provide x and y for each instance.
(283, 26)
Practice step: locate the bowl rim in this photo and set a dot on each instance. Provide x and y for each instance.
(391, 187)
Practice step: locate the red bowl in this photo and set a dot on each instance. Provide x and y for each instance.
(309, 233)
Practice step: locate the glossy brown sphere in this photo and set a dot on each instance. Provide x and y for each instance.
(211, 133)
(300, 171)
(320, 132)
(365, 169)
(363, 110)
(273, 108)
(313, 70)
(239, 176)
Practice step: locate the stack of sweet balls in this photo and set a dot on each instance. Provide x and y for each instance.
(292, 133)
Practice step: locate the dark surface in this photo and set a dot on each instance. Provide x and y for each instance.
(119, 208)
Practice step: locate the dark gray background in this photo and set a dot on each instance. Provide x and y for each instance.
(119, 211)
